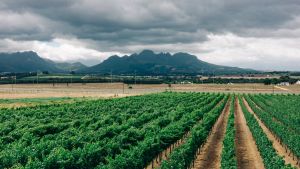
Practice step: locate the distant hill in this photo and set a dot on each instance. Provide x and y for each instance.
(67, 67)
(149, 63)
(25, 62)
(70, 66)
(30, 62)
(145, 63)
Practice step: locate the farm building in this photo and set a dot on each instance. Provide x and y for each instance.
(4, 77)
(283, 84)
(298, 82)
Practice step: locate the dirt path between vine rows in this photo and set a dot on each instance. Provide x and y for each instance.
(277, 146)
(156, 162)
(248, 156)
(210, 153)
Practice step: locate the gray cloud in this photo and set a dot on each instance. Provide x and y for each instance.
(124, 26)
(104, 20)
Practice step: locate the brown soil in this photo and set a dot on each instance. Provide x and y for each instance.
(210, 153)
(281, 150)
(248, 156)
(281, 88)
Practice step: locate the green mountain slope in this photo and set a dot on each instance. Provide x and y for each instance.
(149, 63)
(30, 62)
(70, 66)
(24, 62)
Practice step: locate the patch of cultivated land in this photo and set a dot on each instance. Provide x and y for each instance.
(142, 115)
(119, 90)
(28, 102)
(210, 153)
(165, 154)
(57, 94)
(156, 163)
(122, 125)
(248, 156)
(293, 88)
(288, 157)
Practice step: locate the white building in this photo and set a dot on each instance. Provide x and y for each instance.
(4, 78)
(283, 84)
(298, 82)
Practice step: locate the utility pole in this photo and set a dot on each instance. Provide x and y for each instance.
(254, 86)
(37, 80)
(71, 76)
(202, 75)
(15, 79)
(123, 87)
(12, 83)
(213, 77)
(37, 77)
(111, 76)
(135, 77)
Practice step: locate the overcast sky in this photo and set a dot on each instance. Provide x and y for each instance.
(260, 34)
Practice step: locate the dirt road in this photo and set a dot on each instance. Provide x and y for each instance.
(281, 88)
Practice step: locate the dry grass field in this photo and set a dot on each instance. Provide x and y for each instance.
(119, 90)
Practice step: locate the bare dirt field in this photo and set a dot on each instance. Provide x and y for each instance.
(120, 90)
(292, 88)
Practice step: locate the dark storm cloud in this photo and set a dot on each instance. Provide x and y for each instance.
(136, 21)
(230, 32)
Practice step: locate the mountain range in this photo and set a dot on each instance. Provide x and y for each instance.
(31, 62)
(149, 63)
(144, 63)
